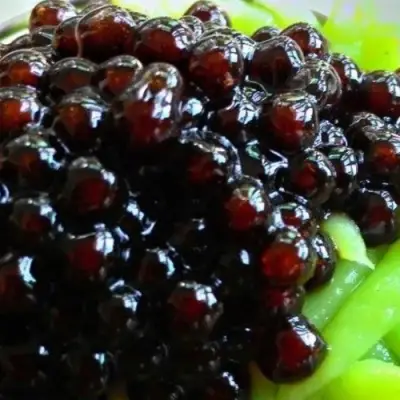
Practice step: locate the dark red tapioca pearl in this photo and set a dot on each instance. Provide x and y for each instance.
(294, 215)
(116, 74)
(225, 384)
(350, 76)
(346, 164)
(164, 39)
(288, 261)
(292, 350)
(69, 74)
(139, 125)
(33, 222)
(289, 124)
(247, 206)
(380, 93)
(319, 79)
(362, 120)
(274, 301)
(237, 121)
(374, 212)
(95, 367)
(106, 32)
(81, 119)
(43, 36)
(193, 310)
(312, 176)
(326, 261)
(50, 13)
(18, 294)
(90, 189)
(235, 272)
(216, 66)
(23, 67)
(19, 109)
(65, 39)
(329, 135)
(265, 33)
(32, 162)
(382, 157)
(195, 24)
(210, 162)
(21, 42)
(194, 111)
(92, 5)
(207, 11)
(308, 38)
(275, 61)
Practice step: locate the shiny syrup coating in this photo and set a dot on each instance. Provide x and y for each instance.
(81, 119)
(134, 109)
(164, 39)
(163, 183)
(19, 108)
(290, 123)
(50, 13)
(114, 76)
(275, 61)
(265, 33)
(23, 67)
(308, 38)
(216, 65)
(69, 74)
(380, 93)
(32, 161)
(105, 32)
(65, 39)
(207, 11)
(89, 188)
(320, 80)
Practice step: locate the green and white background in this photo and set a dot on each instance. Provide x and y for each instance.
(10, 8)
(366, 30)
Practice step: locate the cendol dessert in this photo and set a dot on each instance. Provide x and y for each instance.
(190, 211)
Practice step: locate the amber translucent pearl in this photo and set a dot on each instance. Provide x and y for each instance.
(51, 12)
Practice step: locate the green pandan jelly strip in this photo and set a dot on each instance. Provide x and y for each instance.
(366, 380)
(261, 388)
(322, 304)
(381, 352)
(370, 313)
(347, 238)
